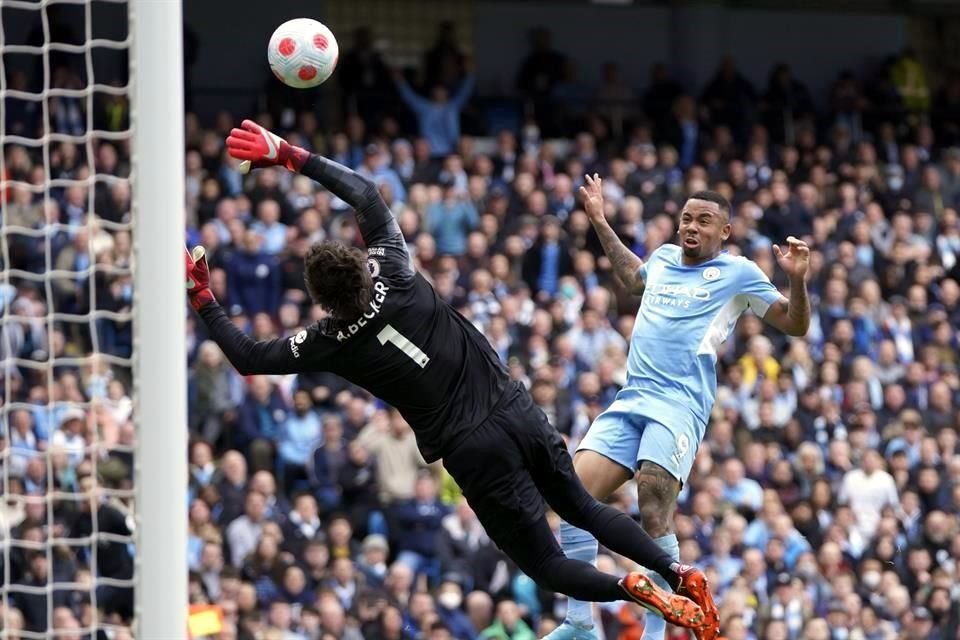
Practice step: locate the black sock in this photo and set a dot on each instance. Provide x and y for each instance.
(621, 534)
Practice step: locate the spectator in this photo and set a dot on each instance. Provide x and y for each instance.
(390, 439)
(380, 172)
(868, 491)
(418, 524)
(269, 228)
(373, 562)
(449, 601)
(254, 277)
(259, 422)
(439, 117)
(214, 389)
(300, 435)
(303, 525)
(740, 490)
(243, 533)
(451, 219)
(231, 486)
(357, 481)
(508, 625)
(547, 261)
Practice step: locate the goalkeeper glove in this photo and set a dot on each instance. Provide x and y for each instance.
(259, 148)
(198, 278)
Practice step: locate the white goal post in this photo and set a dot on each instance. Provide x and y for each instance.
(156, 66)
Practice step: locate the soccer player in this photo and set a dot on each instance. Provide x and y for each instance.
(692, 296)
(387, 330)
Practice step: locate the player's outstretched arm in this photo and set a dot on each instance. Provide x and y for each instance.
(792, 316)
(626, 264)
(248, 356)
(258, 148)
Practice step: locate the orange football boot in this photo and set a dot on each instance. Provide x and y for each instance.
(675, 609)
(693, 585)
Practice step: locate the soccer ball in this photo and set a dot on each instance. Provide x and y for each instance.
(302, 53)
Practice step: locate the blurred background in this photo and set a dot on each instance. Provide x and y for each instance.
(825, 501)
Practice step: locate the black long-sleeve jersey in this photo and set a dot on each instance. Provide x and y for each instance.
(410, 348)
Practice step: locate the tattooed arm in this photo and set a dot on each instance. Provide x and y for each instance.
(625, 263)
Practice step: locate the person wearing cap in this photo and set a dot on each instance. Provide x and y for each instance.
(909, 438)
(373, 559)
(70, 437)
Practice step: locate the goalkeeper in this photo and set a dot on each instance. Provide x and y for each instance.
(387, 330)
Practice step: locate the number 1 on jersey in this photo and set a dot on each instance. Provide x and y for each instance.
(389, 334)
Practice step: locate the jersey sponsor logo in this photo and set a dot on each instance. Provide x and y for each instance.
(374, 266)
(675, 295)
(711, 273)
(376, 305)
(296, 341)
(376, 251)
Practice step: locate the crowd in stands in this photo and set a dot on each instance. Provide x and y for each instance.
(824, 502)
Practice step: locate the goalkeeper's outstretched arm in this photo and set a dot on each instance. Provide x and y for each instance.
(248, 356)
(258, 147)
(374, 218)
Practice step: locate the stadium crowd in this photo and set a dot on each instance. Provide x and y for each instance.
(825, 500)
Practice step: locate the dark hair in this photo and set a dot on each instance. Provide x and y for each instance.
(338, 279)
(712, 196)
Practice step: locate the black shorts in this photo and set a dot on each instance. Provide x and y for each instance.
(501, 464)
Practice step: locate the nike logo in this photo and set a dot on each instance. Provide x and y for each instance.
(271, 145)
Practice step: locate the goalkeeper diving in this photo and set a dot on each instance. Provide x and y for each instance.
(388, 331)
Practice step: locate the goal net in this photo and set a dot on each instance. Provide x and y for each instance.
(77, 409)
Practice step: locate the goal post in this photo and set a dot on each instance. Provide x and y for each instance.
(156, 65)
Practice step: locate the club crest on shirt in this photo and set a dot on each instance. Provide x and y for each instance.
(711, 273)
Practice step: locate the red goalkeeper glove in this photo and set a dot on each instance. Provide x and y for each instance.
(259, 148)
(198, 278)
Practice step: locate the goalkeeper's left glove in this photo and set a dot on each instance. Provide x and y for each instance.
(259, 148)
(198, 278)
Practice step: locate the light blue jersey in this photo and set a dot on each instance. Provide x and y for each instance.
(686, 313)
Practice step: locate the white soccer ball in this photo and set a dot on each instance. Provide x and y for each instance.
(302, 53)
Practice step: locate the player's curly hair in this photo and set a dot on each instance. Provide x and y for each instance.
(338, 279)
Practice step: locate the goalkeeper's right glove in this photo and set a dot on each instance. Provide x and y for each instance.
(198, 278)
(259, 148)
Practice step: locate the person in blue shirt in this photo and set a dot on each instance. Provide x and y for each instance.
(693, 294)
(301, 433)
(451, 220)
(375, 168)
(438, 117)
(269, 227)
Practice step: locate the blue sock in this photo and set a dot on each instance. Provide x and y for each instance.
(578, 544)
(656, 627)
